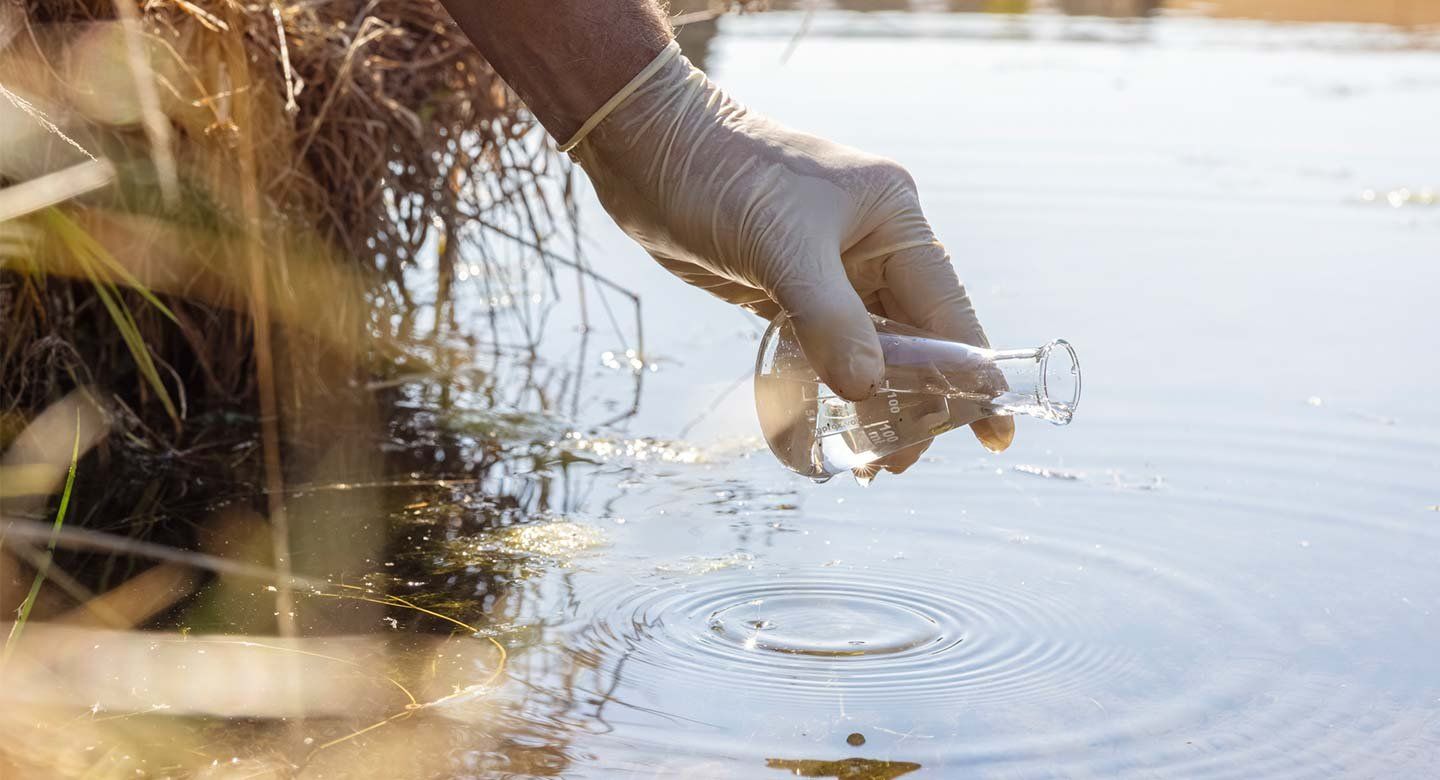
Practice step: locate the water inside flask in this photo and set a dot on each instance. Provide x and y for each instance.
(931, 385)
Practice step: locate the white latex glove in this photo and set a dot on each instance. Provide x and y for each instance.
(769, 218)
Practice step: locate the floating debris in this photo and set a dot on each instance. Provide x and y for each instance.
(1049, 473)
(695, 565)
(855, 740)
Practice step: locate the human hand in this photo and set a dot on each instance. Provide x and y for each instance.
(772, 219)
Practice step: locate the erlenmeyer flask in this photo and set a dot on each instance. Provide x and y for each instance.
(931, 385)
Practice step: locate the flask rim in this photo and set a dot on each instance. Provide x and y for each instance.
(1059, 410)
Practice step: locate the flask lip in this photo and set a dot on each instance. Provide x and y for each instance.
(1060, 391)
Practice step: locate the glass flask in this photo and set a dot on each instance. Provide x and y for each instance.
(931, 385)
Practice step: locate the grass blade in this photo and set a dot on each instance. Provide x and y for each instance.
(24, 612)
(81, 242)
(90, 255)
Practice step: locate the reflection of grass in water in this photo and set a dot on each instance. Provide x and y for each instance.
(844, 769)
(391, 600)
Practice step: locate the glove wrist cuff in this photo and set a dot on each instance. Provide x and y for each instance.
(666, 54)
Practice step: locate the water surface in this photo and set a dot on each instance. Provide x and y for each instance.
(1226, 567)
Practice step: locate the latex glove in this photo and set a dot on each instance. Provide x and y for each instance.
(770, 219)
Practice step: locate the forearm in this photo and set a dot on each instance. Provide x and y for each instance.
(564, 58)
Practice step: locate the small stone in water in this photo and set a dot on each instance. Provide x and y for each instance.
(855, 740)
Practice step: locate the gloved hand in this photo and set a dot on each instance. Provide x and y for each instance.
(770, 219)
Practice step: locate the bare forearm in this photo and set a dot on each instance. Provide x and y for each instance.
(564, 58)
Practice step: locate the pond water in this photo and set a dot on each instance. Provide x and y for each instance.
(1227, 566)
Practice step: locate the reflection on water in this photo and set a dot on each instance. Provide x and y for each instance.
(846, 769)
(700, 24)
(1397, 12)
(1404, 13)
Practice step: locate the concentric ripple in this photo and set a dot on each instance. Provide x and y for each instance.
(1225, 626)
(864, 634)
(827, 624)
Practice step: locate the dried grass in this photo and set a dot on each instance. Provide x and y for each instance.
(322, 147)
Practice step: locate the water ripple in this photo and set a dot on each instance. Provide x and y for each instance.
(867, 635)
(1191, 632)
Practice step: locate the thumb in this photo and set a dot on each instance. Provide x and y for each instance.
(922, 283)
(833, 327)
